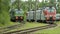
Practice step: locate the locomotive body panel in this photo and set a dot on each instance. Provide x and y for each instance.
(19, 13)
(40, 15)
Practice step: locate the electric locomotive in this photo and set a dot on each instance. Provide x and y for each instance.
(17, 15)
(57, 17)
(50, 14)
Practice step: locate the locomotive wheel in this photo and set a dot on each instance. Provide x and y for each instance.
(32, 20)
(13, 20)
(29, 20)
(43, 21)
(50, 22)
(38, 20)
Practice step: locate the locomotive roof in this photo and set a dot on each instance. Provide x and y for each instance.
(48, 8)
(57, 14)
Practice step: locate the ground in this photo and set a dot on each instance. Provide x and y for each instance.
(10, 24)
(28, 25)
(55, 30)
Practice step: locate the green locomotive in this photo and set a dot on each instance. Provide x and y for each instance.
(17, 15)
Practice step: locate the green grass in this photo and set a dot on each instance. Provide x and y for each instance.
(9, 24)
(1, 25)
(55, 30)
(29, 25)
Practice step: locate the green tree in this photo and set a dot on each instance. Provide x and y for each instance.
(4, 11)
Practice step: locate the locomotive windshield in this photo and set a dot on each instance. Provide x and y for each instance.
(19, 13)
(50, 9)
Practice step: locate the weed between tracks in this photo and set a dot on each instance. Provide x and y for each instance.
(55, 30)
(28, 25)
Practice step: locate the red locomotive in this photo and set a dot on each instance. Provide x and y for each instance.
(50, 14)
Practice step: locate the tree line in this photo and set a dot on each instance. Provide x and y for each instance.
(27, 5)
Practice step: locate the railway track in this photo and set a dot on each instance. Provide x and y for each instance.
(26, 31)
(10, 28)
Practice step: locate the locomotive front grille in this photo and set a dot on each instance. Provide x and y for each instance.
(51, 18)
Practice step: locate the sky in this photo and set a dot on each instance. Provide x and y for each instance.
(40, 0)
(23, 0)
(27, 0)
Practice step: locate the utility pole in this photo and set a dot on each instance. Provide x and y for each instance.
(56, 4)
(18, 4)
(11, 2)
(37, 4)
(35, 10)
(30, 6)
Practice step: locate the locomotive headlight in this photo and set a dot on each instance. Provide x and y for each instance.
(54, 18)
(45, 16)
(21, 17)
(54, 15)
(16, 17)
